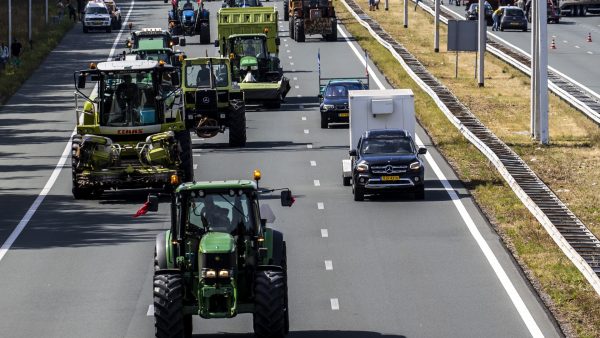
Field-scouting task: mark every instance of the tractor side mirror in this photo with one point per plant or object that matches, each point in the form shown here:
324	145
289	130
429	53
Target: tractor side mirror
152	202
175	40
287	200
353	152
216	43
422	151
277	41
81	81
182	42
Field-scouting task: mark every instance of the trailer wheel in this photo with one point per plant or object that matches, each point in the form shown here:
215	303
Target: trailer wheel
299	30
269	304
186	157
77	191
169	321
237	125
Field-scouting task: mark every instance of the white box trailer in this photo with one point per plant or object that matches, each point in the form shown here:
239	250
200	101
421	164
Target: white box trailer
378	109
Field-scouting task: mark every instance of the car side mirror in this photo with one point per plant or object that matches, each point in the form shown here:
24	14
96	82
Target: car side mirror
152	202
277	41
81	81
422	151
287	200
216	43
353	152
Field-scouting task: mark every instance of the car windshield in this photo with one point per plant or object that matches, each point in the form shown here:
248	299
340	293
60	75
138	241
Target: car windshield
387	146
341	90
221	212
249	46
96	10
128	100
197	76
513	12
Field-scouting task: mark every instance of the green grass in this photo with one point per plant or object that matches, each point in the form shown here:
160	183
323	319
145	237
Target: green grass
44	37
499	105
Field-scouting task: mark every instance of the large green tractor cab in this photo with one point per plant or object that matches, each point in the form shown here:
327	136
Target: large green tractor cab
212	103
130	129
220	259
152	44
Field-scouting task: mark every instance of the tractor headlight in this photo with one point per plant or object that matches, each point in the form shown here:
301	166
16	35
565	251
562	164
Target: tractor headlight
224	274
209	273
328	107
362	167
415	165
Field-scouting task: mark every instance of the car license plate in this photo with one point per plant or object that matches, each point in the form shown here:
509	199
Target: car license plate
343	114
514	23
390	178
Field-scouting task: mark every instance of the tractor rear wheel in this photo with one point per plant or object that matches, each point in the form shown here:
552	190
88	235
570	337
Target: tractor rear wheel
169	321
270	308
286	11
299	30
237	125
185	155
204	33
292	26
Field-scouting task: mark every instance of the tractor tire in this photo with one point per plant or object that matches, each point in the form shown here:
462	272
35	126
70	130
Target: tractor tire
291	28
186	157
205	34
169	321
334	34
286	11
78	192
359	193
269	304
299	30
237	125
324	121
286	316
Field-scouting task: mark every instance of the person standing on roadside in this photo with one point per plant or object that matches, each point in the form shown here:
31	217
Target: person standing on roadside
72	11
80	8
496	19
416	4
15	49
60	8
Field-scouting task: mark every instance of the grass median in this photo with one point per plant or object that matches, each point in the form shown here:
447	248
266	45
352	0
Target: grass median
45	37
566	166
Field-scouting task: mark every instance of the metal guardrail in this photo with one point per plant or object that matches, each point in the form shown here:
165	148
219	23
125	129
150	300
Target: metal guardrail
566	88
567	231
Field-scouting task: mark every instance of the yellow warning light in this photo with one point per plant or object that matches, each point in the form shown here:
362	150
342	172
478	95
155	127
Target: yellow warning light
181	57
92	65
231	56
256	175
161	63
174	180
266	30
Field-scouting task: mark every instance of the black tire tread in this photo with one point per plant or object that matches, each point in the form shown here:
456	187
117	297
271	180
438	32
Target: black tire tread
269	313
168	306
237	125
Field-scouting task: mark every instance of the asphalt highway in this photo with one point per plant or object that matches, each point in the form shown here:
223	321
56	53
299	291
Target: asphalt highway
381	268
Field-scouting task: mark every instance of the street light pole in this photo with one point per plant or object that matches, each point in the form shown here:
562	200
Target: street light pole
534	69
436	34
482	35
386	5
543	70
10	26
29	33
405	13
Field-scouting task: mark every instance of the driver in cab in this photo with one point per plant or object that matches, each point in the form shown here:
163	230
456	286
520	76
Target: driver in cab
127	93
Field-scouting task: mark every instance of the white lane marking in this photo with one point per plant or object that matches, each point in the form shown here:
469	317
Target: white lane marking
306	131
324	233
577	46
295	78
328	265
297	87
313	163
293	70
54	176
197	155
309	146
291	64
150	311
286	44
288	50
317	183
361	58
335	304
290	57
565	41
483	245
195	166
590	52
285	40
320	206
303	118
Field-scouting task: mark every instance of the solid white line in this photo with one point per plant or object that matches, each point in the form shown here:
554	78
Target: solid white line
320	206
483	245
313	163
150	311
309	146
53	177
306	131
324	233
328	265
295	78
317	183
303	118
335	304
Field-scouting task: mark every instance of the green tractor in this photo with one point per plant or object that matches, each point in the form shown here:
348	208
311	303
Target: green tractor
219	259
130	129
248	37
152	44
212	103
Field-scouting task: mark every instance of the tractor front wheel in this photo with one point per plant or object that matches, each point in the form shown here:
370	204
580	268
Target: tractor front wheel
185	155
78	192
237	125
169	321
270	308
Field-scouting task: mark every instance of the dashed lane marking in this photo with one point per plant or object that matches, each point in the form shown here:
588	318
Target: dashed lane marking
150	311
295	78
288	50
335	304
293	70
291	64
320	206
577	46
306	131
309	146
303	118
317	183
328	265
290	57
296	86
313	163
324	233
565	41
590	52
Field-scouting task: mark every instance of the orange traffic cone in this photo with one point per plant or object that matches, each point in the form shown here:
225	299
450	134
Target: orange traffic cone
589	39
553	44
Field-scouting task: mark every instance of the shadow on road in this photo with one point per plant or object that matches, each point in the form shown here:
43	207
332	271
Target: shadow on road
310	334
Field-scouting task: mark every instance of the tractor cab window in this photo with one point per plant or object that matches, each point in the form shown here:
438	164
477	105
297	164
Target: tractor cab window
198	76
127	100
253	46
247	3
155	56
222	212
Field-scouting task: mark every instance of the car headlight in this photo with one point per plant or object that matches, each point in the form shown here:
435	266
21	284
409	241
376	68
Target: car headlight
328	107
415	165
362	167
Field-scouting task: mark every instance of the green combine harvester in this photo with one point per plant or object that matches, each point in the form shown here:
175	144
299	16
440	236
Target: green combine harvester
130	129
248	37
220	259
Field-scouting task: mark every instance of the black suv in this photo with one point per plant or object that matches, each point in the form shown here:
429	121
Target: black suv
387	160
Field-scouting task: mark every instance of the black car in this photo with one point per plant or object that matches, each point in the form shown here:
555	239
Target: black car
387	160
334	101
513	18
473	12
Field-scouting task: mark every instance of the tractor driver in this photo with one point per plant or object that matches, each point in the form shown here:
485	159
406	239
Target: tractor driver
203	77
127	93
214	216
188	5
